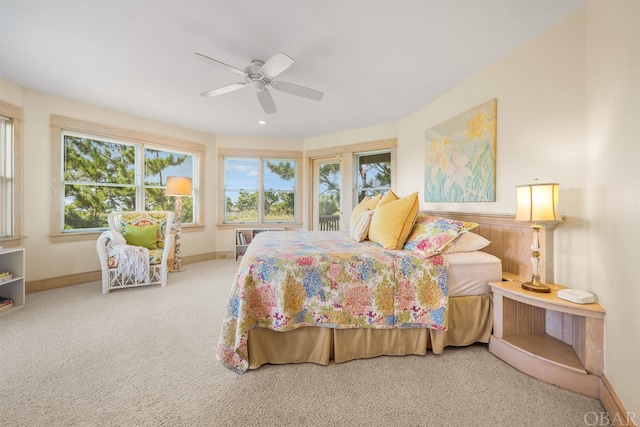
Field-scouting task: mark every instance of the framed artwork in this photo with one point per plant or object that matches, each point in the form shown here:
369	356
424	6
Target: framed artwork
461	157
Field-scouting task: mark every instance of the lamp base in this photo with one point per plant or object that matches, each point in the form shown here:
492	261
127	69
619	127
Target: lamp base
176	270
536	287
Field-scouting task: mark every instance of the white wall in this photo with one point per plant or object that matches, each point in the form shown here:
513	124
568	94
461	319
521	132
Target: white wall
612	202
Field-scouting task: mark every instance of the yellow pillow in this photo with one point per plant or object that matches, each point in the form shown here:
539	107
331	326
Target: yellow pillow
367	204
141	236
392	221
389	196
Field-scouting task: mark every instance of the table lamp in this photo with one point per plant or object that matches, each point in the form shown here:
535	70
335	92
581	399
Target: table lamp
178	187
537	203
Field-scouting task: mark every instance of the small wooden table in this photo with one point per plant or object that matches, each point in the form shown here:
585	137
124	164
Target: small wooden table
554	340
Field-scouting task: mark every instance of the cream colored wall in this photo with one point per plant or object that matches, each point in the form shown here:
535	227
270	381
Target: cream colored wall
48	260
612	199
258	143
373	133
10	93
540	91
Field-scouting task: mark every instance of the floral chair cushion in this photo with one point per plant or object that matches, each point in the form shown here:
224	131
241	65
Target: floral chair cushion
155	257
146	219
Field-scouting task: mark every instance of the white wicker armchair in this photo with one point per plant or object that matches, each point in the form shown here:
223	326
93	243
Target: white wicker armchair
158	269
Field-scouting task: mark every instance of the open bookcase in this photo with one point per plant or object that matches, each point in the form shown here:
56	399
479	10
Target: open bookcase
12	283
244	236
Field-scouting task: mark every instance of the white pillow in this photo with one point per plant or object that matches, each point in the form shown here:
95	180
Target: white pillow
360	229
467	242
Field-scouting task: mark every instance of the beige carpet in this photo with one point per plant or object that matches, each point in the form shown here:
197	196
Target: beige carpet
146	357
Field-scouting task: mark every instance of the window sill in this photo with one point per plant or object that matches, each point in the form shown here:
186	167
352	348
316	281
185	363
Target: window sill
11	242
80	236
74	237
285	225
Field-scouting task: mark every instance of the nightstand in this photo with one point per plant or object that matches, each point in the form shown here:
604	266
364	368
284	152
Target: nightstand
551	339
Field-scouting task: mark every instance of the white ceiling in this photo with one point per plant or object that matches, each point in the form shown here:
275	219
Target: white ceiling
375	61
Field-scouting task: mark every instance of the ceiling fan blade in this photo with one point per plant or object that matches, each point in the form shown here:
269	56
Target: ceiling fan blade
302	91
224	89
277	64
220	64
266	100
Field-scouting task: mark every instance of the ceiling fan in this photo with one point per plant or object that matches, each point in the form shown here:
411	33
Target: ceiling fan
258	75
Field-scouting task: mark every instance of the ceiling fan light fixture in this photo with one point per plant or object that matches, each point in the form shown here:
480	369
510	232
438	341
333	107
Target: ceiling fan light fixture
257	85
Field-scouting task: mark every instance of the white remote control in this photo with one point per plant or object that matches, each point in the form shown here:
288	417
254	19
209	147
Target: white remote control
576	295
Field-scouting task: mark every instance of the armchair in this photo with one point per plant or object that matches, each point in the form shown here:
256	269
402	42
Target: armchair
109	243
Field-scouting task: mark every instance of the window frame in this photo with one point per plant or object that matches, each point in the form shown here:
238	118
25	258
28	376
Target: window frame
141	140
260	156
14	114
356	157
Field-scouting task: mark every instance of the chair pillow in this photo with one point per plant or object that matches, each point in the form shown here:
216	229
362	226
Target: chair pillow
392	221
467	242
431	235
368	203
141	236
360	230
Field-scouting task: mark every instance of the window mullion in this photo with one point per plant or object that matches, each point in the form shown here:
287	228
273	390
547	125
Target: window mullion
260	191
139	181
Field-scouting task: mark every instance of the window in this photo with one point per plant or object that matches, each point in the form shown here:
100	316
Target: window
6	177
104	168
373	174
367	168
101	176
260	190
10	175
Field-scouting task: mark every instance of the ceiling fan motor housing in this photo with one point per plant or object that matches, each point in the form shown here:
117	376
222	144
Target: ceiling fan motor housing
254	77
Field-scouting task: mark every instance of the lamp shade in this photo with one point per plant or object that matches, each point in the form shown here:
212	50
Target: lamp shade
178	186
538	202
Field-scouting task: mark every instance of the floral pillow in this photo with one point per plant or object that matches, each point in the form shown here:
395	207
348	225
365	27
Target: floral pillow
431	235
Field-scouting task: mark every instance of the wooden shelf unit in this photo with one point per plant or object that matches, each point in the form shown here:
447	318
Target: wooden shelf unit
247	235
12	260
557	341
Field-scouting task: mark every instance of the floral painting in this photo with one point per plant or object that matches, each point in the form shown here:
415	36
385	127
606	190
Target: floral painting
461	157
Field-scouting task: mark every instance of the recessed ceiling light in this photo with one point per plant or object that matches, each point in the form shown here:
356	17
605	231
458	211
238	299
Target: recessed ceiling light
262	122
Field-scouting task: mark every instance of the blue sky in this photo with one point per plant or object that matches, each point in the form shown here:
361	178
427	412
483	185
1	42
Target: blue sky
243	174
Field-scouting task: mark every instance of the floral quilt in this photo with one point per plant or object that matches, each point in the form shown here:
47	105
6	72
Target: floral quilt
291	279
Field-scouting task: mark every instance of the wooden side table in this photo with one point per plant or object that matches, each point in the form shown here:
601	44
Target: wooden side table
551	339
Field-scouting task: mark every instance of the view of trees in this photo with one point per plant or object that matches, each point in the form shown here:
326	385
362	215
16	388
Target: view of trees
374	174
278	196
373	177
329	189
99	177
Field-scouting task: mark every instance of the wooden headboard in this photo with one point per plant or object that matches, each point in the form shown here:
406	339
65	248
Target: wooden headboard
510	241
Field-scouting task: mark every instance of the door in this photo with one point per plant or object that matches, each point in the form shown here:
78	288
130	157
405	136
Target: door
327	187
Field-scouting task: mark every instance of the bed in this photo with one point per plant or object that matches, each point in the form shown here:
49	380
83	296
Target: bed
301	320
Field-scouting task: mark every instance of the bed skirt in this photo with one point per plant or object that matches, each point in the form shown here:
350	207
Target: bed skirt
470	321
